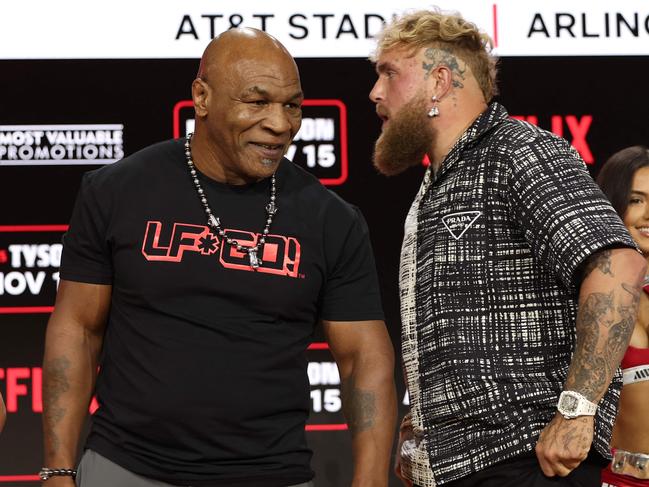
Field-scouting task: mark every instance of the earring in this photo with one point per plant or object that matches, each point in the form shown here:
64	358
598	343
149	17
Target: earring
434	111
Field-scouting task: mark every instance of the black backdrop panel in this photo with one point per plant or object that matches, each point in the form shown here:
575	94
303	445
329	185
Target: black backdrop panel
598	103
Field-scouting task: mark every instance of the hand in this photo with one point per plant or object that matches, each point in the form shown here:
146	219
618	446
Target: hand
405	433
564	444
58	482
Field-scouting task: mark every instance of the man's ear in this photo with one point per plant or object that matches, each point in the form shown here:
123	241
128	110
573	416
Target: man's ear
442	81
200	95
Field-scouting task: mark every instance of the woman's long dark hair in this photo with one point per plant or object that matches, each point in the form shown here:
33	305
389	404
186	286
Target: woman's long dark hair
616	176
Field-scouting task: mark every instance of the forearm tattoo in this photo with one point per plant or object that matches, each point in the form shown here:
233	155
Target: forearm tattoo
359	406
620	331
604	326
54	385
447	58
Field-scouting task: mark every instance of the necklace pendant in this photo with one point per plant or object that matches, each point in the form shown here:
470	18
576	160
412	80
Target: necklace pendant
271	208
254	260
214	222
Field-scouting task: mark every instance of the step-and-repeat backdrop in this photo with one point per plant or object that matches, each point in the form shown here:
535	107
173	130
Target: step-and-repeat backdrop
84	83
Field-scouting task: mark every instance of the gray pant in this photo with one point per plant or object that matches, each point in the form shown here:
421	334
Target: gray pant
97	471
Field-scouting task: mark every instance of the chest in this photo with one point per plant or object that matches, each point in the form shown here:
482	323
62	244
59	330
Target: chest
464	215
164	251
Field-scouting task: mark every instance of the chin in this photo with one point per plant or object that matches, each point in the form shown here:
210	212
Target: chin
270	163
265	168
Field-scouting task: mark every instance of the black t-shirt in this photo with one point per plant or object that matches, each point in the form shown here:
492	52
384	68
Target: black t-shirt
203	371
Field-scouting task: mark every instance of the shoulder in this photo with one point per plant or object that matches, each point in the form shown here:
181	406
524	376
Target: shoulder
316	198
524	146
516	134
145	163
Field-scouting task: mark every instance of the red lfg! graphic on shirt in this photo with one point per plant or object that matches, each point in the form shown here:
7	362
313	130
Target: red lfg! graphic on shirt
281	255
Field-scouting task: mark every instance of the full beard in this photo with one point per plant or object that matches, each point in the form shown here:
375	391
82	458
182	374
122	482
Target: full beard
405	140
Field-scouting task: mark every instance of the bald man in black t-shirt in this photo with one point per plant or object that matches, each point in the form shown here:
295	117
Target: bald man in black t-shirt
193	275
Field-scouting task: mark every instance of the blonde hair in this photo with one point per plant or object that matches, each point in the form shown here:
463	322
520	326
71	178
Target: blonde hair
431	28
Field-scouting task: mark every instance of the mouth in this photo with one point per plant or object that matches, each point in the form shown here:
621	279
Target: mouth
382	115
644	231
269	151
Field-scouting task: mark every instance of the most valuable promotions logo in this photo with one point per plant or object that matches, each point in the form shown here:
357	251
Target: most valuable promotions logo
320	146
26	145
30	256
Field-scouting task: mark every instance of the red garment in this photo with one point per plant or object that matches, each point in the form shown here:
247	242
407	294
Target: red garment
645	284
635	357
610	479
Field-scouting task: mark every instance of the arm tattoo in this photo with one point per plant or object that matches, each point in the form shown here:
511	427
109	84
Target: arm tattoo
448	59
586	377
55	384
604	326
358	406
600	260
620	332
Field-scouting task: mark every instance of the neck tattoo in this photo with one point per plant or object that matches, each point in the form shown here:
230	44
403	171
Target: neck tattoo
214	222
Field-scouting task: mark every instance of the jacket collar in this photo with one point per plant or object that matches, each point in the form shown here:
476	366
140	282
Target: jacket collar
493	116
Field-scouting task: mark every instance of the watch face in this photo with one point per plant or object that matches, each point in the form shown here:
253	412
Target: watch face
569	403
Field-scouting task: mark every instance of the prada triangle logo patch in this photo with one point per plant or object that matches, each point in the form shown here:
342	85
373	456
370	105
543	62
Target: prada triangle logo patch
458	223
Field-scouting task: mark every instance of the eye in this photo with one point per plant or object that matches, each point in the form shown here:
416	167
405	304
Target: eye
634	200
259	103
293	110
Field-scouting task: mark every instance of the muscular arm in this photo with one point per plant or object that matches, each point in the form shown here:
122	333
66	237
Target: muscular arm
365	358
608	305
608	301
72	346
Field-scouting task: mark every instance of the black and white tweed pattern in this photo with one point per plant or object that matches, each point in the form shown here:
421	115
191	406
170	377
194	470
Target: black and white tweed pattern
501	232
414	456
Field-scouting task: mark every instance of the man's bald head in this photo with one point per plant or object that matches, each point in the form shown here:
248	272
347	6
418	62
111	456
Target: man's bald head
238	44
247	101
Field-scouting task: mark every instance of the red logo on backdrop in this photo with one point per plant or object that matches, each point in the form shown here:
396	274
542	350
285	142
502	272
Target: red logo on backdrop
281	255
29	262
16	386
578	128
320	146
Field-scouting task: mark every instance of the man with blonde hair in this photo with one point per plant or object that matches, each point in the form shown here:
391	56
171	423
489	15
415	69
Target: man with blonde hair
519	283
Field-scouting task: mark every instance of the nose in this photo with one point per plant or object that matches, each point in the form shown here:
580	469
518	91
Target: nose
376	94
277	119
